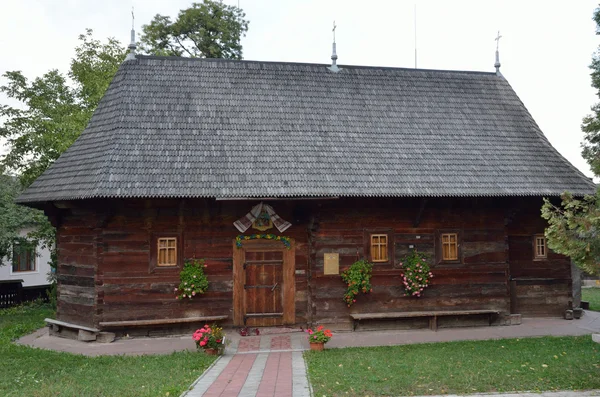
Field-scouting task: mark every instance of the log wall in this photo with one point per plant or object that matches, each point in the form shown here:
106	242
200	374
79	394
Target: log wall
77	248
540	287
105	272
479	281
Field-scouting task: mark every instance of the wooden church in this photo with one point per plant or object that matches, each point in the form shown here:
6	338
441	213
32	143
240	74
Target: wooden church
280	175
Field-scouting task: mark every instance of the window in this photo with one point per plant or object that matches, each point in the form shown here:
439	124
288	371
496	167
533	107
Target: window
167	251
23	258
449	246
539	247
379	247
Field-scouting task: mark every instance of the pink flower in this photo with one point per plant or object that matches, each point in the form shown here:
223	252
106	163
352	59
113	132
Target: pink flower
176	289
193	293
184	295
203	343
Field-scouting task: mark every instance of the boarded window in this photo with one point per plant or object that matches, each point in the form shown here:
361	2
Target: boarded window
167	251
540	250
449	246
23	259
379	247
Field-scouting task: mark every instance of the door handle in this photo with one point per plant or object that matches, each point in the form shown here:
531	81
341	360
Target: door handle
275	286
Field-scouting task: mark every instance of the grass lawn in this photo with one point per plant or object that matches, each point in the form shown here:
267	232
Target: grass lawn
591	295
532	364
34	372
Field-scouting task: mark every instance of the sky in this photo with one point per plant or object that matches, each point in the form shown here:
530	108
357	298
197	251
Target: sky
545	48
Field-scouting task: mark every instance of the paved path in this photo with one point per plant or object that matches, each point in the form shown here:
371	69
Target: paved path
261	366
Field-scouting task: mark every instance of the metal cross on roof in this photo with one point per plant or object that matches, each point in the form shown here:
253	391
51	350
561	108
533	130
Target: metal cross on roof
498	40
333	30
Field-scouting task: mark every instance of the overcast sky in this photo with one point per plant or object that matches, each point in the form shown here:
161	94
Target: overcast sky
545	49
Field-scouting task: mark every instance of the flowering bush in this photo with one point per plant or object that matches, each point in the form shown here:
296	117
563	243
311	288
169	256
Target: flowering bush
416	273
193	281
358	278
209	337
319	336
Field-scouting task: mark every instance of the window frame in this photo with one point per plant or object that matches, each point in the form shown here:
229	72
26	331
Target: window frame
154	250
535	247
379	247
368	233
32	258
440	247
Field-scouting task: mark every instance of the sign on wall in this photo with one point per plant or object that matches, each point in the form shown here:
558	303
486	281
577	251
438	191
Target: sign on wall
331	263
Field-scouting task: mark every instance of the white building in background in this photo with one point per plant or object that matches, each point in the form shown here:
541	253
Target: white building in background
30	265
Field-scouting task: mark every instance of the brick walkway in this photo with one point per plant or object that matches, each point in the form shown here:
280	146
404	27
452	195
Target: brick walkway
258	366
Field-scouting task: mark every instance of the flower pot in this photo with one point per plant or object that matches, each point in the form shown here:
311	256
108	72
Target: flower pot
317	346
211	352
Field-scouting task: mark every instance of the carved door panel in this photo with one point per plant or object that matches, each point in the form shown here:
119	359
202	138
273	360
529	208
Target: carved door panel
263	288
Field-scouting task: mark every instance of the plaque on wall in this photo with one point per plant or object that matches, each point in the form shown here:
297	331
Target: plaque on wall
331	263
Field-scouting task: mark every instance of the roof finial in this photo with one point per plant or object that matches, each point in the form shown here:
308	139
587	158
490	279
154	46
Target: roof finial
334	57
132	46
497	64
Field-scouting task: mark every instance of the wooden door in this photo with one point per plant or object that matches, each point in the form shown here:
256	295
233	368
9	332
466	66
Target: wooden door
263	293
263	283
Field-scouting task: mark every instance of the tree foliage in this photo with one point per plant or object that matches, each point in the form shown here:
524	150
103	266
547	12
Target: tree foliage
209	29
574	225
52	112
573	230
14	217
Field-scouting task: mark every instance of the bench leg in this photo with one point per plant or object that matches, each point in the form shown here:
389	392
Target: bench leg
433	323
354	325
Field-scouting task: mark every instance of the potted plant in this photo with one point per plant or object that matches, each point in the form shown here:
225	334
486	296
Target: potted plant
210	339
318	338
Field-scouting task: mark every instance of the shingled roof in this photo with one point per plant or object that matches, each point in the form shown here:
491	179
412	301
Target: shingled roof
178	127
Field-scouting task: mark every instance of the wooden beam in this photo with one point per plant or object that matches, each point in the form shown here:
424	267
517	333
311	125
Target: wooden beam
420	212
289	292
238	285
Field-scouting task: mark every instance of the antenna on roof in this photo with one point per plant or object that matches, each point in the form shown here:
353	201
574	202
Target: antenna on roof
497	64
132	46
415	35
334	68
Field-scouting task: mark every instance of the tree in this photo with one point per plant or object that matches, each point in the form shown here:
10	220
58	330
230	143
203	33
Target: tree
574	225
209	29
53	114
14	217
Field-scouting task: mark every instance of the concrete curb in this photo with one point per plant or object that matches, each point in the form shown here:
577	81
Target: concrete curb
203	375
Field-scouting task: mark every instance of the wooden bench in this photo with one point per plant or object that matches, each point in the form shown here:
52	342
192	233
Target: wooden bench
78	332
433	315
165	321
